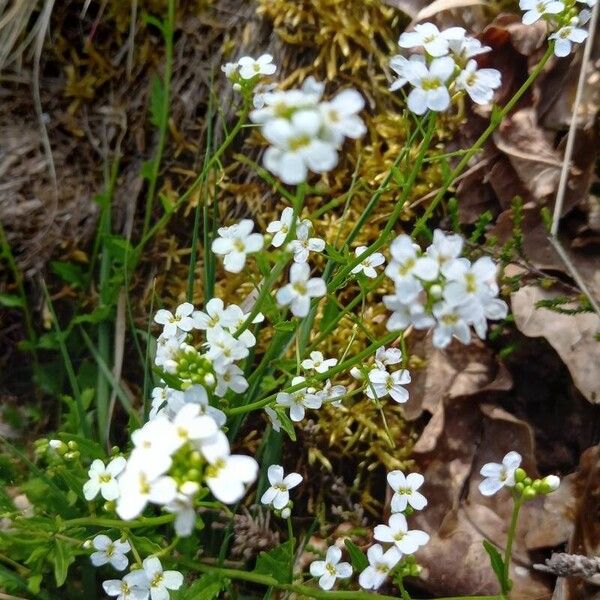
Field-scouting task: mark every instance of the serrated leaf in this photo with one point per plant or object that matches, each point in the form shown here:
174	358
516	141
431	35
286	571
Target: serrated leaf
497	565
358	558
276	562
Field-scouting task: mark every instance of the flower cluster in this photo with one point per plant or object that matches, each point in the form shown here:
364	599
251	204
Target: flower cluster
509	474
447	65
439	289
183	447
304	131
247	71
402	540
379	382
564	19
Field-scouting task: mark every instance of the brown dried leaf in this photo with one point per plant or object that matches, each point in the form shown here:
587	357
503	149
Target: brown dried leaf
572	336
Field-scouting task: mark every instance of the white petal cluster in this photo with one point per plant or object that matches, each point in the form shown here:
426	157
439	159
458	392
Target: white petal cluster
151	582
445	67
565	24
402	540
439	289
277	494
331	568
380	382
305	132
246	73
297	234
499	475
301	289
235	243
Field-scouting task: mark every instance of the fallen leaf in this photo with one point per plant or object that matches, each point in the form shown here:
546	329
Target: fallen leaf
572	336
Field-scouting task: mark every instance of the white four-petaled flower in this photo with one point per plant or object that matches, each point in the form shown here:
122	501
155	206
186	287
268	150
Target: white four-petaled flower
397	533
301	288
406	491
160	581
249	67
278	494
180	321
104	479
331	568
368	264
235	243
109	552
498	475
380	565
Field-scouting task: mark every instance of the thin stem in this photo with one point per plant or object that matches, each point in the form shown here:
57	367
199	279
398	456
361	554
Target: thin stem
511	536
118	524
496	119
292	540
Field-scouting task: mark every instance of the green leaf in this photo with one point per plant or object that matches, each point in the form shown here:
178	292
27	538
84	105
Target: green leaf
358	558
497	565
208	587
11	301
276	562
63	557
330	312
69	272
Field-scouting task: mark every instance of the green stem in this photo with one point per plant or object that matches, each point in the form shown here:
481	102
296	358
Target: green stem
292	540
117	523
304	590
495	121
511	536
167	31
319	376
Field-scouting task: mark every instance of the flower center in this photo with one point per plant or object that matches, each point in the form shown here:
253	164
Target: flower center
300	288
105	477
213	470
334	117
239	245
299	142
330	568
431	83
256	67
450	319
407	266
428	39
405	491
156	580
144	485
280	487
471	283
182	433
382	568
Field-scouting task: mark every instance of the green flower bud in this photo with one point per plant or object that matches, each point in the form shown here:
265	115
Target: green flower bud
529	493
520	474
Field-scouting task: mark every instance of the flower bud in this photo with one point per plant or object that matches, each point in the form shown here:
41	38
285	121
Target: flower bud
529	493
436	291
549	484
520	474
286	512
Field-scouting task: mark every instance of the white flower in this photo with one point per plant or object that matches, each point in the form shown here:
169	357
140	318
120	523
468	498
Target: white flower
565	38
143	482
552	482
406	313
296	147
479	83
155	437
300	290
498	476
332	394
389	356
196	394
430	91
227	474
191	424
427	35
318	363
111	552
468	281
467	47
380	564
273	418
406	491
249	67
340	118
260	91
397	533
103	479
367	265
399	64
444	249
536	9
235	243
298	401
238	318
282	227
216	315
330	569
302	246
183	507
406	264
381	383
181	320
282	104
230	69
452	321
223	348
230	377
278	494
160	581
133	586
